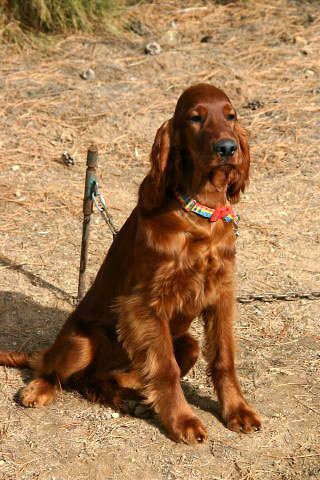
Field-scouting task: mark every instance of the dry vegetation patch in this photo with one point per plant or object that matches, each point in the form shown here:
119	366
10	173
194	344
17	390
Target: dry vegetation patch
266	57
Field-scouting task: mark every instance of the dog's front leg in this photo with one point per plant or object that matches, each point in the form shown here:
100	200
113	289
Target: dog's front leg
220	352
148	341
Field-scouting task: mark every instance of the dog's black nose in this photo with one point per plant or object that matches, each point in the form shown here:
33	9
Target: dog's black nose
225	148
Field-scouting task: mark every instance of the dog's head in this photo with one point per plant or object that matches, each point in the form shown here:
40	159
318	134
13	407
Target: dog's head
203	136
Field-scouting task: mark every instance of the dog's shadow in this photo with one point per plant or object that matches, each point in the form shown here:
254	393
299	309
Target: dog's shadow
26	325
205	403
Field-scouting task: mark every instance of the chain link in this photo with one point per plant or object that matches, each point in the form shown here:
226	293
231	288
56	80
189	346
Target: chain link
100	203
280	297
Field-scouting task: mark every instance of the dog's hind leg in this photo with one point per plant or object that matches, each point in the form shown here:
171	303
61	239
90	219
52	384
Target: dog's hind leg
68	355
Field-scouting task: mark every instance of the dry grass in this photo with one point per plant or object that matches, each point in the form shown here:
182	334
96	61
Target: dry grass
57	16
266	57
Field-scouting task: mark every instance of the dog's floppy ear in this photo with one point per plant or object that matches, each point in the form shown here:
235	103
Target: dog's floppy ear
153	187
239	177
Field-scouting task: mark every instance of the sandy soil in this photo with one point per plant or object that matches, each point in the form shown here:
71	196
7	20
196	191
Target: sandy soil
266	57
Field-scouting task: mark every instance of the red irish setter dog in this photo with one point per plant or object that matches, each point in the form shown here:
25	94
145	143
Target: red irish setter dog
172	261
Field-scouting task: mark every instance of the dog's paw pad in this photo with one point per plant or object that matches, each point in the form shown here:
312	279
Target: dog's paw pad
189	430
243	419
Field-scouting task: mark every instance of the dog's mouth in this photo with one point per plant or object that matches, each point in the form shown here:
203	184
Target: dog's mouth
216	160
225	164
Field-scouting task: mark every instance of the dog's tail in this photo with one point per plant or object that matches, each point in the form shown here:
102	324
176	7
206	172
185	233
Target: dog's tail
18	359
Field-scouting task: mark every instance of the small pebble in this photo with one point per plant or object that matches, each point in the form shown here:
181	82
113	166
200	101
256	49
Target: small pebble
115	415
152	48
15	168
310	73
254	105
87	74
67	159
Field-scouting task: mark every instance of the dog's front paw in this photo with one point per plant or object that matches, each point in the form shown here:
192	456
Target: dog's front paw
188	429
243	419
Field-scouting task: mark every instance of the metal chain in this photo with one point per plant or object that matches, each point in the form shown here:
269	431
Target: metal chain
100	203
273	297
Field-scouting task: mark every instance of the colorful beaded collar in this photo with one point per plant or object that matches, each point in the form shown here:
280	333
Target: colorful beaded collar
213	214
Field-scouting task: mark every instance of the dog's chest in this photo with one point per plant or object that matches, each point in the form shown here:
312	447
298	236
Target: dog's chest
189	282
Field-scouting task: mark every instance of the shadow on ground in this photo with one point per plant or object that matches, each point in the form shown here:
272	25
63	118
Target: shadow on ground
205	403
25	324
35	279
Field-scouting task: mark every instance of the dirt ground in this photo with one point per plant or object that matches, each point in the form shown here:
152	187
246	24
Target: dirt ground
265	55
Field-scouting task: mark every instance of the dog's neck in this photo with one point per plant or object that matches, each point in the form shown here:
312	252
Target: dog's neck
208	190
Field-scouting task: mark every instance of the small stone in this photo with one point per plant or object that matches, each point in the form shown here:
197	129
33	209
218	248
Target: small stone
310	73
115	415
254	104
67	159
87	74
18	194
15	168
152	48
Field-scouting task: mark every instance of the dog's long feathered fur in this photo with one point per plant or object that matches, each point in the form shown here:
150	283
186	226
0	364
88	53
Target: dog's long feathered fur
165	267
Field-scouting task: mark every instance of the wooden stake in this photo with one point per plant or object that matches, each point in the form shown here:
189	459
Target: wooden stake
92	163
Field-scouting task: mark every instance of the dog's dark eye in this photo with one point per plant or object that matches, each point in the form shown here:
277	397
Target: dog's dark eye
196	118
231	116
